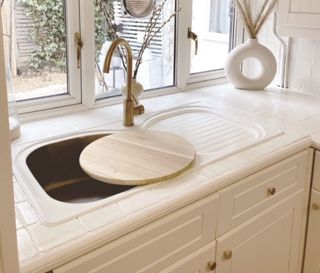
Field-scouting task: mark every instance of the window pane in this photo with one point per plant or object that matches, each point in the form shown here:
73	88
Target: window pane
35	47
157	67
211	22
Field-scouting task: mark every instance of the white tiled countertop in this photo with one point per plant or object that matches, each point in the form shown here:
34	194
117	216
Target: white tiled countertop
43	247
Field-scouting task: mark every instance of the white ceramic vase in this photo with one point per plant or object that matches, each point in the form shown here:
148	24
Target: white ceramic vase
137	89
251	49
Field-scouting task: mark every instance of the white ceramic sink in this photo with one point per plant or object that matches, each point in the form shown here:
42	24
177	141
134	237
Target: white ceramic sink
58	196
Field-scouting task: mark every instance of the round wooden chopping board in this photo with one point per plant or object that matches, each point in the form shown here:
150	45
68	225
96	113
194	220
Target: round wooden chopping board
137	157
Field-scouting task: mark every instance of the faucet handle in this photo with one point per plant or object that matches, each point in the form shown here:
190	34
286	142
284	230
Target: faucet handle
138	110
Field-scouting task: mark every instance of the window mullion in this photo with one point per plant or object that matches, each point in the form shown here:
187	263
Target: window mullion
73	26
88	52
183	48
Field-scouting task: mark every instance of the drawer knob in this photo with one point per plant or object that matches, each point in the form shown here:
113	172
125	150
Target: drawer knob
212	266
272	191
315	206
227	255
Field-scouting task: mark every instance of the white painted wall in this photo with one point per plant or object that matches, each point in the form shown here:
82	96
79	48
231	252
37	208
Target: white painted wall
8	241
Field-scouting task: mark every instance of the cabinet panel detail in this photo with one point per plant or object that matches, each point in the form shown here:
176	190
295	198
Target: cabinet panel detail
312	255
272	242
252	195
197	262
155	246
316	171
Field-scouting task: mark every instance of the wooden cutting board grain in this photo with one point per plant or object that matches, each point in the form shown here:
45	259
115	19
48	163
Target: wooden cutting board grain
137	157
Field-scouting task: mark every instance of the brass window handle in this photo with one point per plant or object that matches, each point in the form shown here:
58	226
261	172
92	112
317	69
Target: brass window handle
194	37
79	45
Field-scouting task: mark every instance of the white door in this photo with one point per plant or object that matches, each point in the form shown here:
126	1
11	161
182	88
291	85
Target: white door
268	243
312	255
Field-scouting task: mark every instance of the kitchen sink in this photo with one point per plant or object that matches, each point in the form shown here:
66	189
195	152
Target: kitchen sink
50	173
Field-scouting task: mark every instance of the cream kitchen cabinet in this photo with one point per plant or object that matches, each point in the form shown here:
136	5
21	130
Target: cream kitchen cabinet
254	225
299	18
270	242
262	219
161	246
312	253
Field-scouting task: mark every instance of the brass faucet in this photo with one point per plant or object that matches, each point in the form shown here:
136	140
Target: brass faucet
130	107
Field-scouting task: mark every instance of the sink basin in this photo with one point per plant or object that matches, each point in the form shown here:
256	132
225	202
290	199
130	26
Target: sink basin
51	175
56	168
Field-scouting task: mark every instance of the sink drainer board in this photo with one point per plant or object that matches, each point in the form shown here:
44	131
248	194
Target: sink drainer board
214	132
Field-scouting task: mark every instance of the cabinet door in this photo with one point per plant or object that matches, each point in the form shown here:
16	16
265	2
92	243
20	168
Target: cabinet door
270	242
198	262
312	256
300	18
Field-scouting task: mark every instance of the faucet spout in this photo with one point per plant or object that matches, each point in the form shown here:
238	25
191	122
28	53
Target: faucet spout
130	110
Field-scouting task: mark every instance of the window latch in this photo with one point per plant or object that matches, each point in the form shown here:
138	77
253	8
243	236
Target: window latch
194	37
79	45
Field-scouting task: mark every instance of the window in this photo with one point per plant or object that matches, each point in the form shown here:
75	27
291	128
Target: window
157	67
36	47
51	71
210	21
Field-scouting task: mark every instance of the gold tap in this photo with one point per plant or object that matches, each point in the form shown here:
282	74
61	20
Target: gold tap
129	108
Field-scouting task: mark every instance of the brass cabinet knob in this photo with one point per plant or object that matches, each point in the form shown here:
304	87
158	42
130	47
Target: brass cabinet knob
212	266
227	254
315	206
271	191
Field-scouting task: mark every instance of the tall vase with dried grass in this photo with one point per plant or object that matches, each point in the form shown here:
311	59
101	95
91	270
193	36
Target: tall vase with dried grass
253	22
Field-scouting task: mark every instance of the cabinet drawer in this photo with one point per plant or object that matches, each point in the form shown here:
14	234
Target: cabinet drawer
156	246
316	172
248	197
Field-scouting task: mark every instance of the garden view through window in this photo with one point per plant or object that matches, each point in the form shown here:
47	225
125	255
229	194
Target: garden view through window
35	47
157	67
37	33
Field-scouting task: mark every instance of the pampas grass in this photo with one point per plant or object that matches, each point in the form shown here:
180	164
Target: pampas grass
254	23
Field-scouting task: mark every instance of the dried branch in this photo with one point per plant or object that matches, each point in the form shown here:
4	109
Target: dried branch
151	31
264	15
254	25
111	31
243	9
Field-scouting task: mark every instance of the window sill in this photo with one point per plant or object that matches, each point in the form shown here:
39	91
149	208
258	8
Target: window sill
60	110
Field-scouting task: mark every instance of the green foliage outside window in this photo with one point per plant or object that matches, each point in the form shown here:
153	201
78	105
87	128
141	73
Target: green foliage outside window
49	33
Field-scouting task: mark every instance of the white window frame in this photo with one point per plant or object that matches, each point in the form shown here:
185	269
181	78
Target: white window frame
81	82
